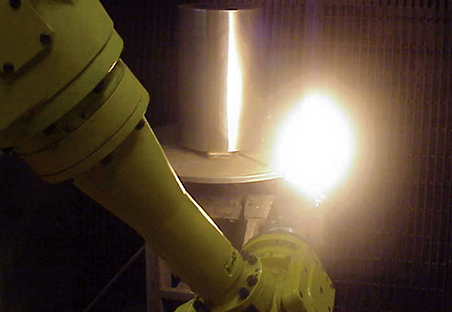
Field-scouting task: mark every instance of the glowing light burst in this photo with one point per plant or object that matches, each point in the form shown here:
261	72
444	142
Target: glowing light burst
234	85
316	146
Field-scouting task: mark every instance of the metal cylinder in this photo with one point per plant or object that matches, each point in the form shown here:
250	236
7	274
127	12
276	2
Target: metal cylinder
221	108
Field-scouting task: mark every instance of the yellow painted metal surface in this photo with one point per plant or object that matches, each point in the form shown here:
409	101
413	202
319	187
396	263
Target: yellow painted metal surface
302	284
74	46
289	278
104	123
28	137
140	187
21	30
64	102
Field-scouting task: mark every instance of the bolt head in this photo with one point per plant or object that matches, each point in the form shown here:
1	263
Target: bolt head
252	280
15	4
244	254
140	124
252	259
45	38
244	292
8	68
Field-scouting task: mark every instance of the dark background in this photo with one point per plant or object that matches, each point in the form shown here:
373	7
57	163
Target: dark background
388	242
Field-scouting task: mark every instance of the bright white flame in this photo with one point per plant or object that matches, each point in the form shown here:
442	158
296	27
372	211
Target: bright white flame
316	146
234	85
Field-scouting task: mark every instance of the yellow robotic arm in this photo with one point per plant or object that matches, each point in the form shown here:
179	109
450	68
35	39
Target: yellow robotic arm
73	110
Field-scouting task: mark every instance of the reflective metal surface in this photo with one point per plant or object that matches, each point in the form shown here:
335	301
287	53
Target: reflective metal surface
195	167
221	107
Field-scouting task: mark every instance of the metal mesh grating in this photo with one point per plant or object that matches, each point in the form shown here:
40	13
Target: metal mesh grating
389	250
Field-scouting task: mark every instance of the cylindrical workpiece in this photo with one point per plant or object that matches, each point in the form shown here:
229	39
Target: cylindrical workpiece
221	108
